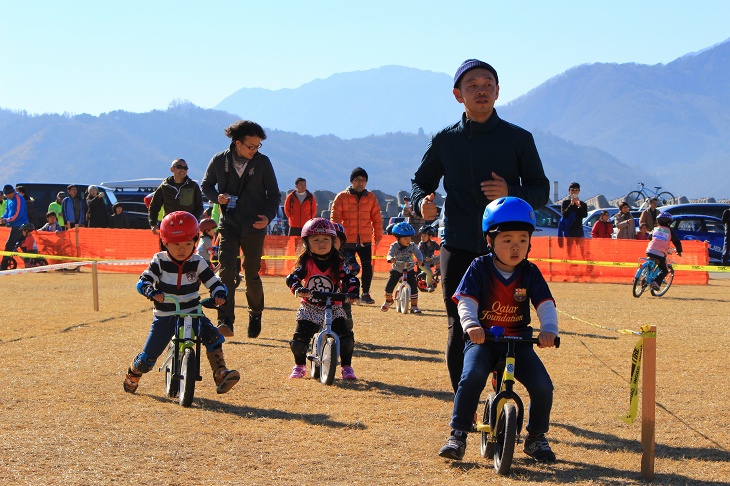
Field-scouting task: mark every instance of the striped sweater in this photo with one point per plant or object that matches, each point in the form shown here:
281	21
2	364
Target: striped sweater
180	279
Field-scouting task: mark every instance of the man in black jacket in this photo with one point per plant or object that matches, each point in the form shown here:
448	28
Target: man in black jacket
243	182
481	158
176	193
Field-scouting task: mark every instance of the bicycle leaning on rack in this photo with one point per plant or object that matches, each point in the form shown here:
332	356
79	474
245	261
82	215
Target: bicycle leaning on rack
648	272
641	196
504	411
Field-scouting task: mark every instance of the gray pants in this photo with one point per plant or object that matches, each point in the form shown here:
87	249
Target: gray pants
231	245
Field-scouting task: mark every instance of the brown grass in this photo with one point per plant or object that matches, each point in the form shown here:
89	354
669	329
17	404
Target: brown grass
66	420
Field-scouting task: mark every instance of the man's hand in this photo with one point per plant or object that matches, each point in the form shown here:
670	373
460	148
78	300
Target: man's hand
495	188
476	334
223	198
428	207
262	222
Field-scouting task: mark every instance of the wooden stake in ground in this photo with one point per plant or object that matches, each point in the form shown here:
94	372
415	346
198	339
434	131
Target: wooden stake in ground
648	400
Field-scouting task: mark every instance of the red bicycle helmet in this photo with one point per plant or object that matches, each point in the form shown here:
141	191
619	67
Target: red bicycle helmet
319	226
207	224
178	227
148	200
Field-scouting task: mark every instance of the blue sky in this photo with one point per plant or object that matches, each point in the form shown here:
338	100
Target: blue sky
98	56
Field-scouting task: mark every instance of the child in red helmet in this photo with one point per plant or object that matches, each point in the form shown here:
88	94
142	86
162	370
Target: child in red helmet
179	271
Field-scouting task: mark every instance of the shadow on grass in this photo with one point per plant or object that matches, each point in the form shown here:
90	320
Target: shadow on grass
377	351
691	299
399	390
254	413
588	335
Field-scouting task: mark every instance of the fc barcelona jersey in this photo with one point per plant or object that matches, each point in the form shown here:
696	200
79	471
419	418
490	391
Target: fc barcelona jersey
504	302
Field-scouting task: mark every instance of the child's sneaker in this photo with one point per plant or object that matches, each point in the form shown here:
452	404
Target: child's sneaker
348	373
131	381
654	286
415	309
430	288
386	305
455	446
299	371
225	379
539	449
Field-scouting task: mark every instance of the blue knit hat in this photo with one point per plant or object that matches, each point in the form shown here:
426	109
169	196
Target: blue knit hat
470	64
8	189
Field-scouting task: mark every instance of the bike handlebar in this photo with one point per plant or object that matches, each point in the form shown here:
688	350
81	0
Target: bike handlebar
335	296
488	336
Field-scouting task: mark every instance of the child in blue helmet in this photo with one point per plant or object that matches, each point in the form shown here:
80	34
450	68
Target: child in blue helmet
497	290
400	256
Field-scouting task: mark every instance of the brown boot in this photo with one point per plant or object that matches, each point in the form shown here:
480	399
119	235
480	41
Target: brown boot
131	381
224	378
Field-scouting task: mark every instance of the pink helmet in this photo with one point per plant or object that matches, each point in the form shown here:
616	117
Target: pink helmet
319	226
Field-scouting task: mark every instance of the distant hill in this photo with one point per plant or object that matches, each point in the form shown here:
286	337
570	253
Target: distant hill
121	145
355	104
671	120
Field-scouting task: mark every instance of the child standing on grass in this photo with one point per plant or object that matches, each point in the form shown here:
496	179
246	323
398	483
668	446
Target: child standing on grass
428	249
497	290
661	239
350	263
207	239
179	271
321	267
400	255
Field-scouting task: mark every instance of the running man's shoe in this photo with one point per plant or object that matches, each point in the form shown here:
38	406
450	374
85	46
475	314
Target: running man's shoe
366	299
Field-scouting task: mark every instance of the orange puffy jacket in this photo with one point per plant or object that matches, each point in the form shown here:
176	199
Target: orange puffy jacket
360	216
297	212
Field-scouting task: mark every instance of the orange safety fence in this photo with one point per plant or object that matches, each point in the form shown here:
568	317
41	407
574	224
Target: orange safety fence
560	259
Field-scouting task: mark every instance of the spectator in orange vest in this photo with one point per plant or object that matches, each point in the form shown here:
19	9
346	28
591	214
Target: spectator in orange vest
299	207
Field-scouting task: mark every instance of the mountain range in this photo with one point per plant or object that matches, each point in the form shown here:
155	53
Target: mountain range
604	125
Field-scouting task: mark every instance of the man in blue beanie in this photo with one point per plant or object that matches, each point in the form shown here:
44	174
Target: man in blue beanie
15	216
481	158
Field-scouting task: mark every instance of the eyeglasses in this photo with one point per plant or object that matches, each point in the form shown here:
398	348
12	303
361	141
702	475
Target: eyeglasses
181	167
252	147
359	180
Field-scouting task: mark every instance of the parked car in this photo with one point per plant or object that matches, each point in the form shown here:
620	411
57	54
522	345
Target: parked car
44	193
703	228
707	209
279	225
546	221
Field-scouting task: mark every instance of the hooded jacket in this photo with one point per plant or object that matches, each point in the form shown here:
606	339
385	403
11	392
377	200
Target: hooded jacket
257	191
170	196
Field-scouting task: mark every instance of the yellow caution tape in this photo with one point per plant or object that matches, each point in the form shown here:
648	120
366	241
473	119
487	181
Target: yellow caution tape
691	268
635	371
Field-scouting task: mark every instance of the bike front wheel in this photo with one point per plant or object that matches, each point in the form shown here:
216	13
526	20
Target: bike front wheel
665	284
504	448
329	362
404	298
487	447
665	198
188	377
637	198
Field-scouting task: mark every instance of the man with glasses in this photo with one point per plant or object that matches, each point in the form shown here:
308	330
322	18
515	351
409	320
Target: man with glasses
359	212
243	182
176	193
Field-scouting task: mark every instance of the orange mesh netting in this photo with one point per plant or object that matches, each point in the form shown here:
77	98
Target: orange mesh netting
560	259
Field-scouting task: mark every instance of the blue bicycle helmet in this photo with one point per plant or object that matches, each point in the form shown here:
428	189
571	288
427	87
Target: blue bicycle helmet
403	229
508	214
340	230
664	218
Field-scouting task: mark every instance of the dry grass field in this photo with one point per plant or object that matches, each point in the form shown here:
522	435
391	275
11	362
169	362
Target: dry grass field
64	418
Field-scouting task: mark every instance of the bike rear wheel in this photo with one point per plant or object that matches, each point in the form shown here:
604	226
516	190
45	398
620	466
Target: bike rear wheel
640	282
171	385
665	198
504	449
329	362
188	377
664	285
487	447
638	198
